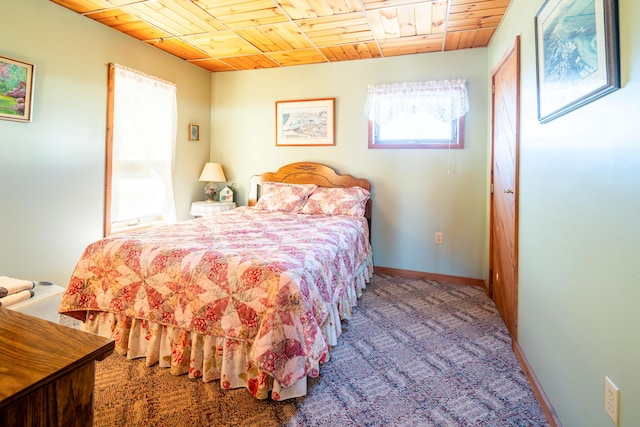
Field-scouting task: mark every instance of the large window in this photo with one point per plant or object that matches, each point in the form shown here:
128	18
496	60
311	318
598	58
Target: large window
141	135
417	114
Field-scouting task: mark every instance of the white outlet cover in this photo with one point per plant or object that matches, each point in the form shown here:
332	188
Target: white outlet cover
611	399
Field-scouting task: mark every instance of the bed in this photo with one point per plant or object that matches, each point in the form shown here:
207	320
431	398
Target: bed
252	297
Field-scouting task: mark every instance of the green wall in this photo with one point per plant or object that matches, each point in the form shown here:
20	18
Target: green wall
52	169
579	179
580	234
415	192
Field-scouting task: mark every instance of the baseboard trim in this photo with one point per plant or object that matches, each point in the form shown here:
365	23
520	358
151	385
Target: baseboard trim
410	274
541	397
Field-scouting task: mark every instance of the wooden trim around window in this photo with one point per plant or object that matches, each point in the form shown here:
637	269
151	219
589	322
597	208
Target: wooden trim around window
108	150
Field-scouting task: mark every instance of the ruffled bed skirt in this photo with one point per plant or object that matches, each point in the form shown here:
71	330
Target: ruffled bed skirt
217	358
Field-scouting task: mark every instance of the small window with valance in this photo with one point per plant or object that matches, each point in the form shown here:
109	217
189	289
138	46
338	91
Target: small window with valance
428	114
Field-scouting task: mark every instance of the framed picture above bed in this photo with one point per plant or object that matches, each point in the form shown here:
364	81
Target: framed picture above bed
305	122
577	54
16	89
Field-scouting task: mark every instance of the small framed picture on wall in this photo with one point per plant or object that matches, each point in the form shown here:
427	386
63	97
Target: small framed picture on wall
194	132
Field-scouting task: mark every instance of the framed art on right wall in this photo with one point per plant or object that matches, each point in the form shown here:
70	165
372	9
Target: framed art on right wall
577	54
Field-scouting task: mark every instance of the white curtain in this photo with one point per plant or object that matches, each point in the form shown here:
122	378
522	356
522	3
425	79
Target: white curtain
445	100
144	139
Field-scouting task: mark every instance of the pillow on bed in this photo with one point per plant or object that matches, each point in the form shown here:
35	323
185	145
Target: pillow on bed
337	201
278	196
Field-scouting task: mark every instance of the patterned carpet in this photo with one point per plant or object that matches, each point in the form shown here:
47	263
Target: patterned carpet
415	353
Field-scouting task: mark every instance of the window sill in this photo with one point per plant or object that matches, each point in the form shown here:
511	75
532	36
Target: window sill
137	227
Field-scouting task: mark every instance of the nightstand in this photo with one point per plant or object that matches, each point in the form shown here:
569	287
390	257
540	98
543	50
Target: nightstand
210	208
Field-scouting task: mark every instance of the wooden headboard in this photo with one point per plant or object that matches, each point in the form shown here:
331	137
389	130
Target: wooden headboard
308	173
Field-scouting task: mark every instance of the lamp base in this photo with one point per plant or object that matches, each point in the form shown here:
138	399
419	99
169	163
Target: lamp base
209	192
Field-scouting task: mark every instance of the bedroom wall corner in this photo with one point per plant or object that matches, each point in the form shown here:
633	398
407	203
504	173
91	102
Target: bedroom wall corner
52	169
415	192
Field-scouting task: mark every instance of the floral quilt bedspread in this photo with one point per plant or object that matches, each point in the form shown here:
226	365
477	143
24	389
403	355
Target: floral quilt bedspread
265	278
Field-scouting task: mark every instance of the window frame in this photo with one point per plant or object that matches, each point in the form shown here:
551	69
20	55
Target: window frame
106	229
455	143
151	220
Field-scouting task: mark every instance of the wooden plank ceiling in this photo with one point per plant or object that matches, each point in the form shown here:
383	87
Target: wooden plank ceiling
228	35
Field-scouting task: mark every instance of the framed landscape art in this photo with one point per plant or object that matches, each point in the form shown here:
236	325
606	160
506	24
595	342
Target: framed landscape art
16	89
305	122
577	54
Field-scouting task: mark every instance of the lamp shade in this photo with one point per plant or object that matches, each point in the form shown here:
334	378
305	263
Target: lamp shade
212	172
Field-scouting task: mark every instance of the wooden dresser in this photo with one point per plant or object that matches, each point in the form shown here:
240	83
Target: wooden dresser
47	372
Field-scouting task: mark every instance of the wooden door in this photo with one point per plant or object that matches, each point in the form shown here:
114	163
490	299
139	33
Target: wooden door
503	282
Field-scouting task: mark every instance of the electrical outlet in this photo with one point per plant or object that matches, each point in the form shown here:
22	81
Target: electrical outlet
611	399
439	238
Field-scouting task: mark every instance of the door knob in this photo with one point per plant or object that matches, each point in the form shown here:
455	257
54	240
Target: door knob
508	190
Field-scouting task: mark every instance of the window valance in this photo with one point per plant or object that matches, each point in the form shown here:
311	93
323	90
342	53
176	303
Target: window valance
444	99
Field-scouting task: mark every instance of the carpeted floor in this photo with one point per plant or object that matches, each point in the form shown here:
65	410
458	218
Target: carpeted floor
415	353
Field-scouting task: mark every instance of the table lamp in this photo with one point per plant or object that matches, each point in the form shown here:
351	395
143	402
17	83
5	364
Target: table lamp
212	173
